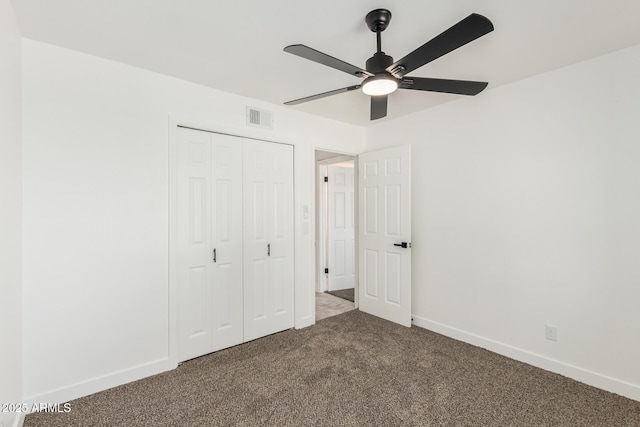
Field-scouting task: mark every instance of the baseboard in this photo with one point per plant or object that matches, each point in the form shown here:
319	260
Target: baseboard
341	289
594	379
94	385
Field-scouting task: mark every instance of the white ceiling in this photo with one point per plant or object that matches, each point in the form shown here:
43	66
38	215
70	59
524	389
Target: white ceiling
236	46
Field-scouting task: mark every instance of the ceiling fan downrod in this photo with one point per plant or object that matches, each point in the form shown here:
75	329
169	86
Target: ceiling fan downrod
378	21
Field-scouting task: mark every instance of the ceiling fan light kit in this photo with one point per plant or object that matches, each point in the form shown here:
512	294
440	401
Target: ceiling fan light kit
382	76
380	84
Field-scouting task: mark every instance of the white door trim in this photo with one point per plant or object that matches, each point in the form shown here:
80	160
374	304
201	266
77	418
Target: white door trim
338	159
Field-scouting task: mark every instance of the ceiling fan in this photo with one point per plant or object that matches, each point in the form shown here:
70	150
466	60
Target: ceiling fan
383	76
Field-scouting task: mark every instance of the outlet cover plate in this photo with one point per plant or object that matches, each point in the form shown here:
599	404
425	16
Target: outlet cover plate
551	332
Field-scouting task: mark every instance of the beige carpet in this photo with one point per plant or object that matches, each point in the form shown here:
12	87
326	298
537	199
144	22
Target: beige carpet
351	370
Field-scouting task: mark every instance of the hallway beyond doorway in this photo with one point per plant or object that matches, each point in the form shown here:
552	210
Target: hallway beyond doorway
328	305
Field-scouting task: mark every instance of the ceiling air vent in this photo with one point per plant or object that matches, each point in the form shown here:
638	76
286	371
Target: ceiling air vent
259	118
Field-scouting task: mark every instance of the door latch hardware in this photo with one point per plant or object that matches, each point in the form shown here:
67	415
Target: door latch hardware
403	244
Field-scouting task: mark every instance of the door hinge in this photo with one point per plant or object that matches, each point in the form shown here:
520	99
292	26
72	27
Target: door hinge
326	179
326	271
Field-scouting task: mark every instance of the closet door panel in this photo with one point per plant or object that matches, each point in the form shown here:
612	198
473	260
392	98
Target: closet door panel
268	243
194	244
281	236
227	291
209	260
256	244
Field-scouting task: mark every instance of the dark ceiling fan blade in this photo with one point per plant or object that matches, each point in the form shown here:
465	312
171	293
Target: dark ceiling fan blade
322	95
378	107
465	31
461	87
324	59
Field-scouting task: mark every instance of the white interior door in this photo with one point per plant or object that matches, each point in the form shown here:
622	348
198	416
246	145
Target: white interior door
209	252
384	183
268	238
340	241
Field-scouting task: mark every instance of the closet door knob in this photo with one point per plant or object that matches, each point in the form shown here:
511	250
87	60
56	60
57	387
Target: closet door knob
214	255
268	249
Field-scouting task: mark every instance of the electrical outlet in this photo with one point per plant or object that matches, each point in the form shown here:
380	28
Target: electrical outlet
551	332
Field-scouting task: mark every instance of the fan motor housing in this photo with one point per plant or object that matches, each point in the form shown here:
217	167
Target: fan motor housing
378	62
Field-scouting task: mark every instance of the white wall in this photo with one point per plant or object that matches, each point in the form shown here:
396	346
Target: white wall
526	211
10	211
96	213
525	204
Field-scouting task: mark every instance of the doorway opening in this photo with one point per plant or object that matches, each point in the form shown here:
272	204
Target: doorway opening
336	290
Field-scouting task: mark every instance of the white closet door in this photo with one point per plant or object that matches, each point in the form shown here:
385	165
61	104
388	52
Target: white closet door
227	240
341	228
268	238
209	199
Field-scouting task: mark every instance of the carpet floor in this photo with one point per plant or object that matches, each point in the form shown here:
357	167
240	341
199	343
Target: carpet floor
347	294
350	370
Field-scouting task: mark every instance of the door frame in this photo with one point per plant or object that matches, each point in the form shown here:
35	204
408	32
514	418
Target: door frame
298	229
319	208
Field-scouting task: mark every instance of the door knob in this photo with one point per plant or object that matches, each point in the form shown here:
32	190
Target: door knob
403	244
